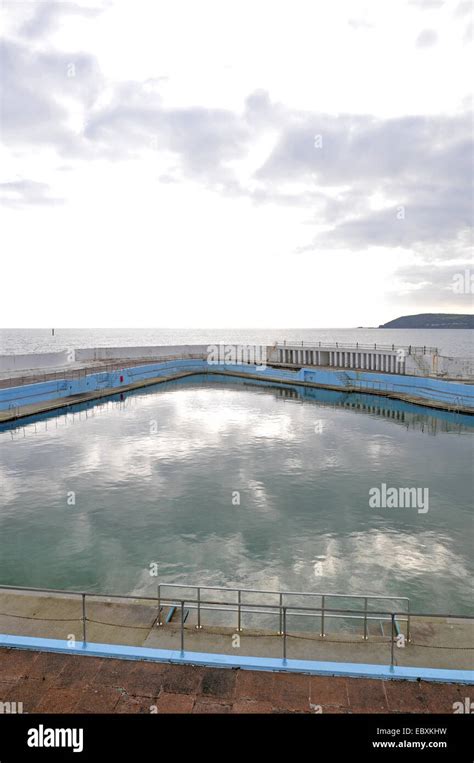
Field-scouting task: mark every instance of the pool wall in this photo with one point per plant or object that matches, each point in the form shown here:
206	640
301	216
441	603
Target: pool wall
416	386
450	394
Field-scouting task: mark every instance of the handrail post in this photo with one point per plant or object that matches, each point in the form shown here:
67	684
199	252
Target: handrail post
239	614
159	606
408	622
281	615
323	598
84	628
392	646
198	626
365	619
182	627
284	634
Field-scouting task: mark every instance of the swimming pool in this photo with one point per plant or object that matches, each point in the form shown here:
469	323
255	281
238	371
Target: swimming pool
233	483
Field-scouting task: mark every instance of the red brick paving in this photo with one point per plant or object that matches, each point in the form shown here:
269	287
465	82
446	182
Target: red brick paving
61	683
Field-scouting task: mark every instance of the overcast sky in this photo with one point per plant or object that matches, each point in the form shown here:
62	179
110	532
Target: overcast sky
247	164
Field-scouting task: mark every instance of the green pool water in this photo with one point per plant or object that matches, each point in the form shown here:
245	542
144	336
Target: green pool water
238	484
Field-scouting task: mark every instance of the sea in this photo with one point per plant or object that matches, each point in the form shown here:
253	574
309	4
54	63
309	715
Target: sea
450	342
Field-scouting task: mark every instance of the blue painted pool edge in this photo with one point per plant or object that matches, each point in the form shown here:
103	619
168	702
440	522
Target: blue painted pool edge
203	659
422	388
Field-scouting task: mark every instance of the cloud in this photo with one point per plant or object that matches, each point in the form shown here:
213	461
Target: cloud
136	122
360	180
464	8
400	226
46	17
394	182
353	172
360	23
332	165
426	39
41	91
21	193
427	5
468	33
436	283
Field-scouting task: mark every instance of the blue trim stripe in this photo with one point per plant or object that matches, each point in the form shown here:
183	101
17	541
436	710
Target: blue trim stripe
349	669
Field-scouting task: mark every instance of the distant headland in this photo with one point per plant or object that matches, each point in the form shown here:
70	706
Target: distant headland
431	321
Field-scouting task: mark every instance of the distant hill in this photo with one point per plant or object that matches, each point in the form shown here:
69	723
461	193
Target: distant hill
431	321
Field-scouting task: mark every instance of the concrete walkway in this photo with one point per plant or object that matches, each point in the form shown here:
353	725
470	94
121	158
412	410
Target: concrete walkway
435	642
75	370
58	683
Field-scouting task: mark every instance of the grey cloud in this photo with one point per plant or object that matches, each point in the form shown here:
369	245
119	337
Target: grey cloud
36	88
468	33
35	110
21	193
359	148
204	139
422	163
355	148
401	226
434	284
426	39
360	23
261	112
464	8
47	15
427	5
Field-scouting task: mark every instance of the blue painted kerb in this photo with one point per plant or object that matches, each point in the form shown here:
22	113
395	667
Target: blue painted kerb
176	657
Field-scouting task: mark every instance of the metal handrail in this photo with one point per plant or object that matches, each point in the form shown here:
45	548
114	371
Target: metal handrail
189	600
361	346
285	593
203	588
241	607
364	614
281	609
106	366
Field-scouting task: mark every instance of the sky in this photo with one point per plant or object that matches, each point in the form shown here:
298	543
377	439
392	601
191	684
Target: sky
235	164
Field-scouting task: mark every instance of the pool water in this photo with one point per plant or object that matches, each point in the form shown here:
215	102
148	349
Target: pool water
239	484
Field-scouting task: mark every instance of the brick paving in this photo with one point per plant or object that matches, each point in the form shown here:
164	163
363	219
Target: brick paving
61	683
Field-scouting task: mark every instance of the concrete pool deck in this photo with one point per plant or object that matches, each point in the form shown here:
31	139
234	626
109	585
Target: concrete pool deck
43	682
34	375
66	402
444	643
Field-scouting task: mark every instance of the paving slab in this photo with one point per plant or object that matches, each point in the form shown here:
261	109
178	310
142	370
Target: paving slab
100	685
